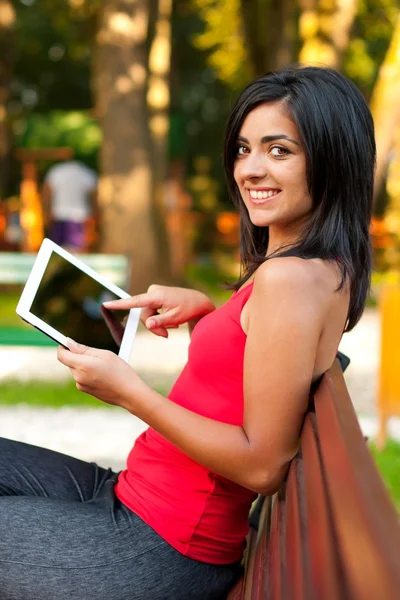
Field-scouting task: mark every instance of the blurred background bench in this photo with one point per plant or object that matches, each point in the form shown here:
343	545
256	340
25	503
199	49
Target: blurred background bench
14	271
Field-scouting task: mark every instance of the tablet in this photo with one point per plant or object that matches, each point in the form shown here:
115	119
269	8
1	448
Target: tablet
63	298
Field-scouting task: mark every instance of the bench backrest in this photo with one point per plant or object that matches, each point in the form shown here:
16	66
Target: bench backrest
15	267
331	532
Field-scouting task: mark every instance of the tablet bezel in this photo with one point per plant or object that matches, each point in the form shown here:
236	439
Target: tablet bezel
34	280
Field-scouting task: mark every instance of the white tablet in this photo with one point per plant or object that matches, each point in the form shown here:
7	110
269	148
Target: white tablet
63	298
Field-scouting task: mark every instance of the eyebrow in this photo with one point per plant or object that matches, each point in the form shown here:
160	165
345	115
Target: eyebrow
271	138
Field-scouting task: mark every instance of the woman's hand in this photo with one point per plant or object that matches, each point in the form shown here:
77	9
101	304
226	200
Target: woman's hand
102	374
165	307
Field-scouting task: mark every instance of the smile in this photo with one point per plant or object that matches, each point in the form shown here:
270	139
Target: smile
260	196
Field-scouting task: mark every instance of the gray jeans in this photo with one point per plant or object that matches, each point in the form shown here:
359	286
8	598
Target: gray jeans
65	536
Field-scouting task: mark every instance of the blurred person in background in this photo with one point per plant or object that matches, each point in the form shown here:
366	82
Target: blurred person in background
69	197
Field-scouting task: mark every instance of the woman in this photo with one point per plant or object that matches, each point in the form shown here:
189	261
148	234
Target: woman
299	158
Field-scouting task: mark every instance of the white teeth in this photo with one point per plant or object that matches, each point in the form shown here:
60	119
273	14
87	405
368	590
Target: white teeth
262	195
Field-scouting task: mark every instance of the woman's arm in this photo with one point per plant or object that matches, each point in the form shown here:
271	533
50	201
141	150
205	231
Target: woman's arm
284	326
164	307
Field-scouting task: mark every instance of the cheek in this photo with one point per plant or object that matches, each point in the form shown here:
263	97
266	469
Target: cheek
297	180
305	203
237	174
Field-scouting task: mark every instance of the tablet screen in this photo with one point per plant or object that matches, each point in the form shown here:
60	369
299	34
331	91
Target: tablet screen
70	301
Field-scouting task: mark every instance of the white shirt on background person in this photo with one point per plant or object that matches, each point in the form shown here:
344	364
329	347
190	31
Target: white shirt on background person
71	184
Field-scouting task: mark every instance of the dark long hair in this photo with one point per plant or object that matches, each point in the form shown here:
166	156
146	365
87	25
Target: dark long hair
337	133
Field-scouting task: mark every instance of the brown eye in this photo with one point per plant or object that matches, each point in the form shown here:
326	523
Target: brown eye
241	150
279	151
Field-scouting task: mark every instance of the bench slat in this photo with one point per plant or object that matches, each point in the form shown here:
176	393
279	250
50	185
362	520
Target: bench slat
326	575
243	588
297	577
272	582
368	538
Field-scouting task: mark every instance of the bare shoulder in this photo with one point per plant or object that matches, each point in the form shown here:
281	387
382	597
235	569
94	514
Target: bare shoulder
297	275
291	289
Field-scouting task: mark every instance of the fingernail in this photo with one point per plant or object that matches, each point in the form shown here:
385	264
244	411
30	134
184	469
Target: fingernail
150	323
71	343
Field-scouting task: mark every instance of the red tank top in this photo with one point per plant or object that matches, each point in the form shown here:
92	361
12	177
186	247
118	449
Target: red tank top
201	514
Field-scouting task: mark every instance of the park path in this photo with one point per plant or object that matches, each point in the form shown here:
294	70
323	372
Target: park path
106	435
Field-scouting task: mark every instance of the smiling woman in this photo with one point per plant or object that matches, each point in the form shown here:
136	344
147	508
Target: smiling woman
331	152
299	159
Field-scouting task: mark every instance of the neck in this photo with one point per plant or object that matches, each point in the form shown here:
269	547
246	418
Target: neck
279	237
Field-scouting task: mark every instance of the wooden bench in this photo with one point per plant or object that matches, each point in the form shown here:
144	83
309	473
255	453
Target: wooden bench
331	532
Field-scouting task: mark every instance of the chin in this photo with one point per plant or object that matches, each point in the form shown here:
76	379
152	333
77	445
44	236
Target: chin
259	220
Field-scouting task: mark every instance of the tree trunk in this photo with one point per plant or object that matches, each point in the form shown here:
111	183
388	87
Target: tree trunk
158	100
7	20
131	222
385	106
325	28
269	28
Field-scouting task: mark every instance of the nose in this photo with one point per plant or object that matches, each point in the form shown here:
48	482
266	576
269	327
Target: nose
254	166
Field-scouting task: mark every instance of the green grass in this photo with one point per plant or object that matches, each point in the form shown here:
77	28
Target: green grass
8	316
388	461
42	394
49	394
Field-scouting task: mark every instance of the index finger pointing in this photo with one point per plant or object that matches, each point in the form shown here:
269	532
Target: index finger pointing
139	301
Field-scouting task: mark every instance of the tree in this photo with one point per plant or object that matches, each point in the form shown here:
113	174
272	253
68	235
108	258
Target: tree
52	45
325	28
131	218
385	106
270	33
245	39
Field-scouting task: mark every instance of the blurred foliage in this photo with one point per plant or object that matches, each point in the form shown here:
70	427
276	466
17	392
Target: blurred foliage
207	277
200	102
52	55
211	274
75	129
52	61
372	31
223	39
51	58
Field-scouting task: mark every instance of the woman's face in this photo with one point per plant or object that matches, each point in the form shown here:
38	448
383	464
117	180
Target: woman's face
270	171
